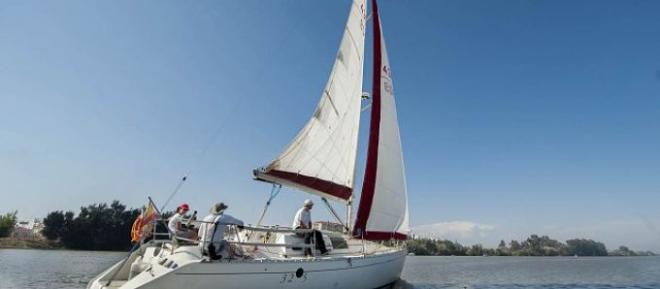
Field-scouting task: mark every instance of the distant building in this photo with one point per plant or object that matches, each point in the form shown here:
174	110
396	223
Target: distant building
28	229
328	226
24	225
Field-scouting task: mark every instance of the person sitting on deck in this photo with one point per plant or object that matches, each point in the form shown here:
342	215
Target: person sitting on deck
176	226
303	220
212	230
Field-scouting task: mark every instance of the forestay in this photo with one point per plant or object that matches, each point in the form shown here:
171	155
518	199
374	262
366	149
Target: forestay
321	158
383	210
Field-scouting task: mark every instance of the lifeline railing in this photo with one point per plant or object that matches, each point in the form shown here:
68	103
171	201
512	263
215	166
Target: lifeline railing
237	241
247	232
233	228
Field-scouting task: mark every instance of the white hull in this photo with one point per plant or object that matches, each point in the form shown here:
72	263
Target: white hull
359	272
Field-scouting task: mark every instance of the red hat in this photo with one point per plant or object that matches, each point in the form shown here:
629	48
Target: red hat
184	206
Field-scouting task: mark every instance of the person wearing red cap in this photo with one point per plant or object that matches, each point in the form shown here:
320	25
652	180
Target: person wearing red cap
175	224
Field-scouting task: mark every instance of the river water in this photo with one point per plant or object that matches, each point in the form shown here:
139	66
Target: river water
73	269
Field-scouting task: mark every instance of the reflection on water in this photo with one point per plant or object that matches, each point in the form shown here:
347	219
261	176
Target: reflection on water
73	269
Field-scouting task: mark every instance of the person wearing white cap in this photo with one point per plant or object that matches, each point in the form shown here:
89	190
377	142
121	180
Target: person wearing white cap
212	230
303	220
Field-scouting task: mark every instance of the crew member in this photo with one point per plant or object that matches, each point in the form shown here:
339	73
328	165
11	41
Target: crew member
176	225
212	230
303	220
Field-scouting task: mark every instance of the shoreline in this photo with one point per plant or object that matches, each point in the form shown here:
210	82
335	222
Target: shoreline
17	244
13	243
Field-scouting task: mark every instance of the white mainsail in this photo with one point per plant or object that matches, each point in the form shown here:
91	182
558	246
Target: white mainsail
383	210
321	158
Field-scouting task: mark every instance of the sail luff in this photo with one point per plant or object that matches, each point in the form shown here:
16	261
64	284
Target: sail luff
369	182
321	158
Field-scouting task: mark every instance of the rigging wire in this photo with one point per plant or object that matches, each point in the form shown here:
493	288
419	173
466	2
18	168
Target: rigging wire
176	190
202	154
273	193
334	213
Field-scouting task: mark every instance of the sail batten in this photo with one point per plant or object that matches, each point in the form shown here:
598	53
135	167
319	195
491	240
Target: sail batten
321	158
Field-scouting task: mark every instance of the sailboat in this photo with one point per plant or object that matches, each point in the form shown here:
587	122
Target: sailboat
321	160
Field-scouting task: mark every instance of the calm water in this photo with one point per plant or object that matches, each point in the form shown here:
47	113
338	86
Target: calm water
72	269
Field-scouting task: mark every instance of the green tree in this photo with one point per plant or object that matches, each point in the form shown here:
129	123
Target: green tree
418	247
623	251
97	227
7	223
516	248
550	247
432	247
475	250
533	246
53	225
586	247
515	245
502	250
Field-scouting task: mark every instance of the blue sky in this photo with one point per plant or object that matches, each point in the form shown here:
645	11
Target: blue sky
517	117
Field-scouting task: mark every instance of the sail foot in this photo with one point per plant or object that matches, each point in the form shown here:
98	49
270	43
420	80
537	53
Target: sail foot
305	183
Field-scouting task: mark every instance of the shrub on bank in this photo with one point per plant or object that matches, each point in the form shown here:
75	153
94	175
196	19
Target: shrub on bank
7	224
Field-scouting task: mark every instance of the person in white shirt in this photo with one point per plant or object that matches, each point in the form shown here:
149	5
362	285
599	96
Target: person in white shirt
303	220
212	230
176	226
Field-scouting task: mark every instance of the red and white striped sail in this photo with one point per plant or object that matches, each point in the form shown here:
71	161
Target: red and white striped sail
383	210
321	158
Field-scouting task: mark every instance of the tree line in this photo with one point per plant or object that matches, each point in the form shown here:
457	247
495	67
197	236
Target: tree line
107	227
96	227
532	246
